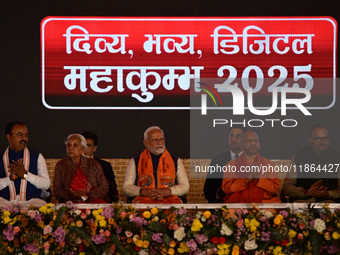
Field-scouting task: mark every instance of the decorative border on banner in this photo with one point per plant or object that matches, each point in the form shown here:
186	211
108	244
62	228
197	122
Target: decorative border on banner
48	19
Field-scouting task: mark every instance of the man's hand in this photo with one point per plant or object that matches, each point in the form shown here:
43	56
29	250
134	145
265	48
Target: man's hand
317	190
156	194
13	177
17	168
247	180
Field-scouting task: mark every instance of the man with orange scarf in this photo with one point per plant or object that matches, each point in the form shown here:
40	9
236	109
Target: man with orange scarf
155	176
246	183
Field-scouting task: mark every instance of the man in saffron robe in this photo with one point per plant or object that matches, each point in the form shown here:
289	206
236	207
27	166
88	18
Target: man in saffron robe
77	178
248	184
23	172
155	176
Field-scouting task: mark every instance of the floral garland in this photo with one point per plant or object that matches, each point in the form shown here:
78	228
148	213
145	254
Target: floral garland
122	229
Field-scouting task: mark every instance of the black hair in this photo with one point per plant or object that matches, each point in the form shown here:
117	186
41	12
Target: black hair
11	124
92	136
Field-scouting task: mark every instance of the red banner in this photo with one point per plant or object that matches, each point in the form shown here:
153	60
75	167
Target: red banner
148	63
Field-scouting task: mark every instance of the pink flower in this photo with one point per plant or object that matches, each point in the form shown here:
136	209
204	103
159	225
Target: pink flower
302	226
32	213
123	214
107	233
46	246
300	236
239	223
83	216
16	229
175	227
47	229
62	243
128	233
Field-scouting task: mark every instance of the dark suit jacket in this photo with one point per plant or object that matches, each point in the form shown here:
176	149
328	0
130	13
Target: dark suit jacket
110	177
214	181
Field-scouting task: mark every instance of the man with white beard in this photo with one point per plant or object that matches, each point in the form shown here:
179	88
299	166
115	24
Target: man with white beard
155	176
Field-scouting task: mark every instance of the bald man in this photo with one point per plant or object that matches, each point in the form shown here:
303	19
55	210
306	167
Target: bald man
245	186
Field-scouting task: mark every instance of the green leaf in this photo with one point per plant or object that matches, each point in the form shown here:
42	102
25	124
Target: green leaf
60	214
157	227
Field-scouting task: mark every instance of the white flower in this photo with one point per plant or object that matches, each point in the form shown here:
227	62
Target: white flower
203	219
250	244
267	214
77	212
199	215
143	252
179	234
226	230
319	225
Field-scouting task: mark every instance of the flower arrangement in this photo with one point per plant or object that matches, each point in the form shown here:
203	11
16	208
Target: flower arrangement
122	229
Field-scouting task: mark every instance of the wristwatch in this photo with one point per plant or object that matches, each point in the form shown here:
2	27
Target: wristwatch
25	175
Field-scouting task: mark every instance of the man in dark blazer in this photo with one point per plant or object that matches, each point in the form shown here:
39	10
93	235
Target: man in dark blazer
92	145
213	183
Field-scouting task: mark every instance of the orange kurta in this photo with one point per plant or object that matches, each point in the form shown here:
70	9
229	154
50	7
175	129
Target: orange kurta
260	190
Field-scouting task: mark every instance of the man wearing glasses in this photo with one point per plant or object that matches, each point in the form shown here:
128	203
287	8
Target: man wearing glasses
23	172
315	169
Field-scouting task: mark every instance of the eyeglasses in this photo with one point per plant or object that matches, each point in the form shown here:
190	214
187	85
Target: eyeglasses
319	138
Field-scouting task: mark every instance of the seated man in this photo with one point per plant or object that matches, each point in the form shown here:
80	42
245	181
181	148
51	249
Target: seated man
155	176
78	178
245	184
92	145
318	186
23	172
212	186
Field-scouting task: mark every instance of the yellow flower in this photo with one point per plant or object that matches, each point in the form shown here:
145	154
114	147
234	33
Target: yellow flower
207	214
291	234
183	248
7	220
277	219
254	224
196	225
154	211
305	233
5	214
236	250
171	251
146	244
223	249
79	223
102	223
139	243
97	213
43	209
146	214
277	250
172	243
111	221
336	235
